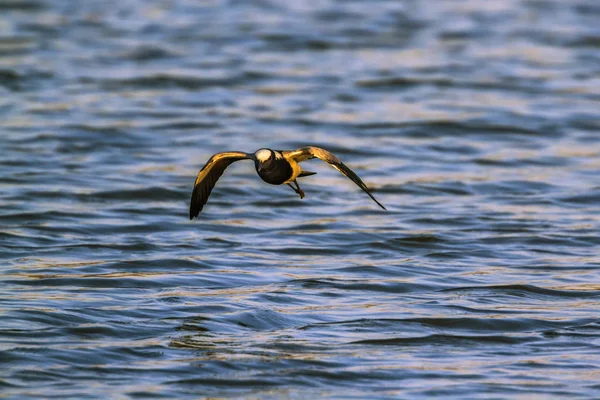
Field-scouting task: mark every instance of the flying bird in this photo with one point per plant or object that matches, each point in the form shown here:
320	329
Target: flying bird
275	167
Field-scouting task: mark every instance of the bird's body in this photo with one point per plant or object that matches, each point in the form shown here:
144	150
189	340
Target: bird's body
273	166
276	169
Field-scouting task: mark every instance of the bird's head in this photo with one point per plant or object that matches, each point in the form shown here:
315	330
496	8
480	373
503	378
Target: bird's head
263	155
263	159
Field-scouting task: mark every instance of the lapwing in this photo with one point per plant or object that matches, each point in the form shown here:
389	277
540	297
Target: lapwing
275	167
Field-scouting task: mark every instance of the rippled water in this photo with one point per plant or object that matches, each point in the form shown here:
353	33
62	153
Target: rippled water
476	123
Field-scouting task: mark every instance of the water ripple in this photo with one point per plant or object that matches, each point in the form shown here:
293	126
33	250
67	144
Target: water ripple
475	123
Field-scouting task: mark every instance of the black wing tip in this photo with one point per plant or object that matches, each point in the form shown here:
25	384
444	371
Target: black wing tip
195	204
375	200
193	213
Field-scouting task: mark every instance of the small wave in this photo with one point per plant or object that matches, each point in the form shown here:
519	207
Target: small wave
24	5
165	80
214	382
283	41
515	187
526	291
141	195
149	52
20	80
590	197
442	128
236	323
371	285
441	339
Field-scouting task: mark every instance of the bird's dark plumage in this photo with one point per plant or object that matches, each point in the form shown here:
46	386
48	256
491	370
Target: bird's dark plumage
208	176
306	153
274	167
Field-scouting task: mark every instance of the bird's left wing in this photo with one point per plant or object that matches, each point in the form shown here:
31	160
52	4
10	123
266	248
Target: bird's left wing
306	153
208	176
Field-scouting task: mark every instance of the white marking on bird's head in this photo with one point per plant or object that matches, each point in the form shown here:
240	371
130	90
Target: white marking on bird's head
263	155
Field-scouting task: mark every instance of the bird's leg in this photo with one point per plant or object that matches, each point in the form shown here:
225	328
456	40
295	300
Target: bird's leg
297	189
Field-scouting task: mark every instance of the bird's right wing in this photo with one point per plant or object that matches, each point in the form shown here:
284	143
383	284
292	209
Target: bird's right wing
208	176
306	153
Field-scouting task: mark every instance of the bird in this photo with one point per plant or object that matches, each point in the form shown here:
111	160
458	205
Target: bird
275	167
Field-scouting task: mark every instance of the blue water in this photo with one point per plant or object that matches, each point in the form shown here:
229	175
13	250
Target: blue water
476	123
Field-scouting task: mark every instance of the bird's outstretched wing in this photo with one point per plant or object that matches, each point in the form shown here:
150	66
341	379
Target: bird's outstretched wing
208	176
306	153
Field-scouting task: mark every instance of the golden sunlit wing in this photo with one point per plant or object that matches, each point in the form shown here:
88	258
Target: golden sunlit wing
208	176
306	153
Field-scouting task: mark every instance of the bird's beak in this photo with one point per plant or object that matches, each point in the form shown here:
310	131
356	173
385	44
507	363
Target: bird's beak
259	166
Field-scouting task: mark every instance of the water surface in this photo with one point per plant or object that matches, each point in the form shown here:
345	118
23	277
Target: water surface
475	123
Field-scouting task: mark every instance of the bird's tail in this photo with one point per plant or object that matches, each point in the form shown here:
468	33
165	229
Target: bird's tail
306	173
